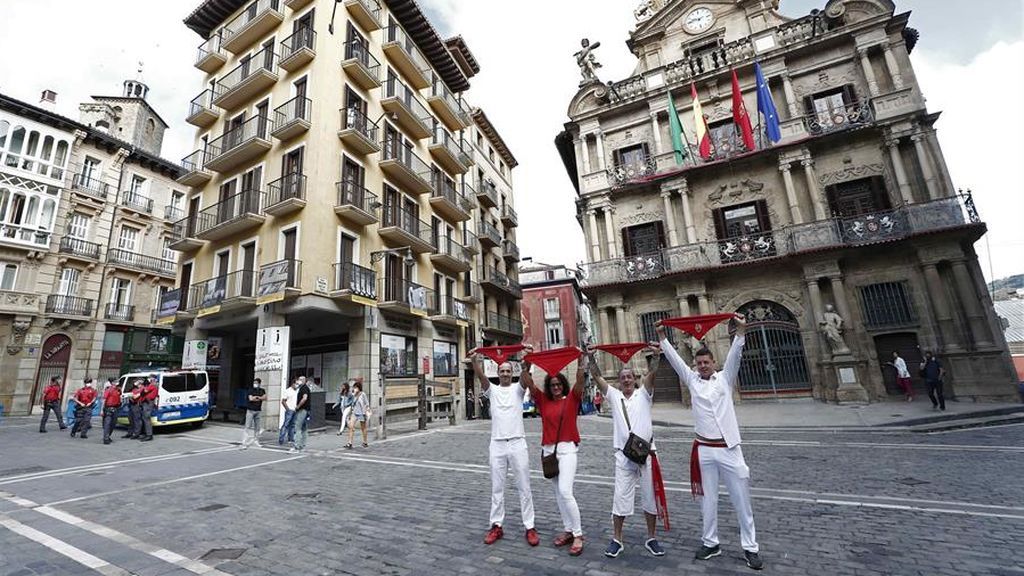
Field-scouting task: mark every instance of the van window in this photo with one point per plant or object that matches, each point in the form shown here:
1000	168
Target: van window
175	383
197	382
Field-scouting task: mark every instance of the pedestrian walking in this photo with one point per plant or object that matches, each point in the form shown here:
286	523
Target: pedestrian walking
344	405
288	398
301	422
111	406
133	391
934	373
559	409
598	401
902	375
148	398
84	400
360	413
51	401
716	451
507	448
253	414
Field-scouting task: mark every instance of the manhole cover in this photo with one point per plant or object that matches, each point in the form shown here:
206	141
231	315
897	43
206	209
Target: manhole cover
912	481
20	471
304	496
212	507
223	554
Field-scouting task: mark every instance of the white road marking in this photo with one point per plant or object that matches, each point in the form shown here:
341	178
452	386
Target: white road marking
104	465
63	548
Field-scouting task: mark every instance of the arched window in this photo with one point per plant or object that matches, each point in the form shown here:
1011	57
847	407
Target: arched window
32	213
60	160
5	197
33	143
46	218
47	149
150	127
17	209
14	150
4	127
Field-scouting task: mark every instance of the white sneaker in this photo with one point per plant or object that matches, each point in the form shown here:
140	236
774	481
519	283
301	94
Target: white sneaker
292	449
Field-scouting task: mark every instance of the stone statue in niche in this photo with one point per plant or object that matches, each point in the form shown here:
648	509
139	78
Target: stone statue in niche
587	61
832	328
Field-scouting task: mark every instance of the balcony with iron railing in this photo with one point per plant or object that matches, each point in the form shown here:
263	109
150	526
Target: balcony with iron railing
356	204
253	76
446	200
402	296
200	111
243	143
495	322
119	312
406	57
446	105
89	185
469	239
132	260
509	251
256	21
136	203
489	235
279	280
360	65
494	279
173	213
450	311
451	256
487	194
210	55
231	216
509	216
358	132
404	105
405	168
401	227
447	152
367	13
183	235
292	118
79	249
194	172
470	293
287	194
298	49
230	291
70	306
355	283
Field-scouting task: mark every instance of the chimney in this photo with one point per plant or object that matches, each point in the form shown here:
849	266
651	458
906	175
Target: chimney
48	99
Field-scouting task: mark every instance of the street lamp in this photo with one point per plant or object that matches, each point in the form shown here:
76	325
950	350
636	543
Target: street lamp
405	251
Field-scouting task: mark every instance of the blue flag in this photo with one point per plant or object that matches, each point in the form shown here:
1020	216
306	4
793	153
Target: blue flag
766	106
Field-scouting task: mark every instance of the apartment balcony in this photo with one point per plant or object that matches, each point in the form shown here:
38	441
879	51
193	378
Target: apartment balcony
29	237
233	291
200	110
296	5
447	153
635	171
451	256
183	235
366	13
119	312
358	132
405	297
406	169
496	281
469	240
18	303
834	119
286	195
211	55
489	235
228	217
239	145
356	204
298	49
256	21
406	57
509	217
194	171
354	283
361	66
449	311
292	118
251	78
78	249
503	325
401	227
402	103
278	281
89	186
446	106
132	260
446	201
69	306
510	251
487	195
470	293
173	213
135	203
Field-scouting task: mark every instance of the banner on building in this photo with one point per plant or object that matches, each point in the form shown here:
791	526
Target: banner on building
194	356
170	301
274	279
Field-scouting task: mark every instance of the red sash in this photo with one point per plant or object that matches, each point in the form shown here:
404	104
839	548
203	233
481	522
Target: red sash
660	500
623	351
696	488
501	353
697	326
553	361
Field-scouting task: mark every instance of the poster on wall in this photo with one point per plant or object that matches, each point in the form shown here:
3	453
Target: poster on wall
194	356
397	355
446	358
213	350
335	371
273	279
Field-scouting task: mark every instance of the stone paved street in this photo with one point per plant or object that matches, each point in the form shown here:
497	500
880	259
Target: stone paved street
847	502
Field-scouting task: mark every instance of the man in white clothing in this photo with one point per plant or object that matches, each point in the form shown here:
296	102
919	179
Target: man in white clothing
716	449
508	447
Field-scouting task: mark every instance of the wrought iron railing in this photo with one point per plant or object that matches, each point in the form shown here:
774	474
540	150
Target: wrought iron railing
288	187
265	59
121	312
79	247
632	171
411	294
407	221
229	209
490	231
255	127
832	119
360	52
173	213
446	188
304	37
195	161
509	213
202	102
356	119
355	278
439	90
294	110
449	247
138	261
352	194
136	202
212	45
394	88
502	323
407	158
90	185
249	13
373	7
500	279
397	35
449	306
509	248
215	291
68	305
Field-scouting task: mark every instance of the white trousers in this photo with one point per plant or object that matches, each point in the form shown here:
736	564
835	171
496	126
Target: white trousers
563	485
345	414
728	465
505	455
628	475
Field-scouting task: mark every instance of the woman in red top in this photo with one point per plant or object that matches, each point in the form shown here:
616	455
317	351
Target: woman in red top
559	407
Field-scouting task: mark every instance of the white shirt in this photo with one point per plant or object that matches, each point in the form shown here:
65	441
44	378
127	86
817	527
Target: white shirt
290	397
638	406
713	413
506	411
901	368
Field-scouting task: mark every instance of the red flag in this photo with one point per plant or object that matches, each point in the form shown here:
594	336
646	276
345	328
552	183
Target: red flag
622	351
739	114
553	361
701	124
500	353
697	326
660	500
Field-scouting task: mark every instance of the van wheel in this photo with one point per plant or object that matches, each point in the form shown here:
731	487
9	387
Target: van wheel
198	424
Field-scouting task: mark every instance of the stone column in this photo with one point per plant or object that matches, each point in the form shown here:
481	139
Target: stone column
940	162
791	100
926	166
869	72
585	157
839	293
892	66
595	237
816	306
794	204
972	304
940	305
691	230
670	218
620	323
605	327
656	127
893	144
813	190
600	151
609	229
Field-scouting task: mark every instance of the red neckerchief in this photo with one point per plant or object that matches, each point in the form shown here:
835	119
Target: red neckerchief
660	499
500	353
697	326
553	361
623	351
696	487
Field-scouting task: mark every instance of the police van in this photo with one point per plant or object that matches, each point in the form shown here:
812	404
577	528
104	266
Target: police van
184	397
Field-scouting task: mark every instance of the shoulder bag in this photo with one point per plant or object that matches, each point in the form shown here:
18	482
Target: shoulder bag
549	462
636	448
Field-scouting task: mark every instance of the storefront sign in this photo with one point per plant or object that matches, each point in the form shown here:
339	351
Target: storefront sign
194	356
273	281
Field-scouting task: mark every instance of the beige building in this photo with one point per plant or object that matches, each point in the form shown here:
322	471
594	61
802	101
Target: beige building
843	242
87	208
346	200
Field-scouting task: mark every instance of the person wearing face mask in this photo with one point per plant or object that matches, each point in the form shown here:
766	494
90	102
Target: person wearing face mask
716	449
84	399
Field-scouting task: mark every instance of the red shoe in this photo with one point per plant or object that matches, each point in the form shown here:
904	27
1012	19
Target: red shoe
493	534
577	547
563	539
531	537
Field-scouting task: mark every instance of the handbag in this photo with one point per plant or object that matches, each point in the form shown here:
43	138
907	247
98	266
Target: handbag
549	462
636	448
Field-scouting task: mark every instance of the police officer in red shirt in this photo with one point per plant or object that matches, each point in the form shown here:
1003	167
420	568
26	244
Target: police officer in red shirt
84	400
133	390
111	404
51	401
148	397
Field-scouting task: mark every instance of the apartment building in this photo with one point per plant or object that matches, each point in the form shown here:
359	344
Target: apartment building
554	307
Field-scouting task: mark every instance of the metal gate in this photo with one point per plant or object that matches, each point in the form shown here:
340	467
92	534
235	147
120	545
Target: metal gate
773	357
54	360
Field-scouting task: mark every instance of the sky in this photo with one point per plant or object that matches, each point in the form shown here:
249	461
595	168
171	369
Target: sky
528	77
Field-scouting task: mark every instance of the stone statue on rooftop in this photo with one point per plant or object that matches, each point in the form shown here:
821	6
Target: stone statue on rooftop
587	61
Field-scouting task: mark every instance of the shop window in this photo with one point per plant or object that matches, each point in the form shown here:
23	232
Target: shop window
397	355
446	358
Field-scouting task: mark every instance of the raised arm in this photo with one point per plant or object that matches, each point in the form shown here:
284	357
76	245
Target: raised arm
682	370
652	366
595	372
478	369
526	378
731	369
582	365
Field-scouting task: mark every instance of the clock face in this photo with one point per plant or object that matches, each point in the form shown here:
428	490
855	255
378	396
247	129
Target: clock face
699	19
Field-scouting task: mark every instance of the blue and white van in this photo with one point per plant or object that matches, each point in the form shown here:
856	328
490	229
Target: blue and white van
184	397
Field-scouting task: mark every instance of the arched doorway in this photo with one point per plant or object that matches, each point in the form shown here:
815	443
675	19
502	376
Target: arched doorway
774	362
53	361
